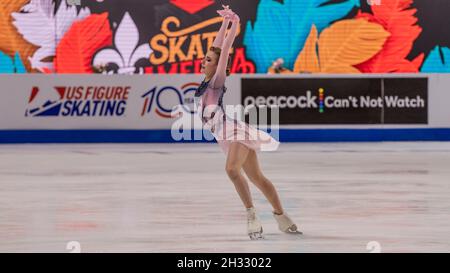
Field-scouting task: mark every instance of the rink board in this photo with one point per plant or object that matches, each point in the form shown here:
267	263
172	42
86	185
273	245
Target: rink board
139	108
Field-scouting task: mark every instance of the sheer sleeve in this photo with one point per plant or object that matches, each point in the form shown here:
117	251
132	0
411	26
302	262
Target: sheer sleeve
218	41
218	79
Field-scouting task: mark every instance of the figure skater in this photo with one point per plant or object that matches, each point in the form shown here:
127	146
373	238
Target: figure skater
238	140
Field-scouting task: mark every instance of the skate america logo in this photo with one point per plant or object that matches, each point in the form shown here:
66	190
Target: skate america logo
78	101
163	100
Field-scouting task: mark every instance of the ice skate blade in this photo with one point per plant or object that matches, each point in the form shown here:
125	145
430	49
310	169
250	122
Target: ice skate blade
256	236
293	230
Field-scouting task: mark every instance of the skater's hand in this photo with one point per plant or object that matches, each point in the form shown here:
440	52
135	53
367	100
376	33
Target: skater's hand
226	12
235	18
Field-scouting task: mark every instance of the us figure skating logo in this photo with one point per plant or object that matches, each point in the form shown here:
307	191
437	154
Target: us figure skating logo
78	101
163	100
48	106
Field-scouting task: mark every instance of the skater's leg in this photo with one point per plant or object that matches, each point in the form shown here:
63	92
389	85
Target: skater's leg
254	173
237	155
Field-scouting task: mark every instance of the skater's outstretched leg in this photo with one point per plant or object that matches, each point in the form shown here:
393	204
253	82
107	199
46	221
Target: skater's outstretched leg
254	173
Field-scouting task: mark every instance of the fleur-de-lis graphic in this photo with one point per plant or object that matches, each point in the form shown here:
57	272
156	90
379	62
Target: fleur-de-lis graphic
127	51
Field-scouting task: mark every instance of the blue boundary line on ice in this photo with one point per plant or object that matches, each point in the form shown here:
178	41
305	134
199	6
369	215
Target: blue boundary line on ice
164	136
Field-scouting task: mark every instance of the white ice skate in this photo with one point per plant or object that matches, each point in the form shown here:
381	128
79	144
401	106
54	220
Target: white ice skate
285	223
254	227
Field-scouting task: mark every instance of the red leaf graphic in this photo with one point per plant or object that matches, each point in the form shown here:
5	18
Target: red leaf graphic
417	62
75	51
397	18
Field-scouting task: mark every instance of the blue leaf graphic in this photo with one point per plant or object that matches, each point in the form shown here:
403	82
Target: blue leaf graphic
10	66
6	64
438	61
280	30
20	68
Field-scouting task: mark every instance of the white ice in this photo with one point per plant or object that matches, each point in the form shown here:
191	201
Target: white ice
177	198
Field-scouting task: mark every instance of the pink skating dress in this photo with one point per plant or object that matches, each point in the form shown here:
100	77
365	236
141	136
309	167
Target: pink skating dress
209	97
226	129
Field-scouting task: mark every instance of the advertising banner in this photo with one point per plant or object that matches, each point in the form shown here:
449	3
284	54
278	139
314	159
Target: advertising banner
341	100
98	101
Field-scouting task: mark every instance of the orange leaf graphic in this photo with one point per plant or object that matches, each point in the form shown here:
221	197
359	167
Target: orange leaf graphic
307	60
11	41
341	46
349	42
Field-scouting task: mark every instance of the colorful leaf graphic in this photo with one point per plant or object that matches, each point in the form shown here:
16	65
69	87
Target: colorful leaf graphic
75	51
6	64
398	19
341	46
10	40
20	68
52	26
9	65
282	28
438	61
307	60
349	42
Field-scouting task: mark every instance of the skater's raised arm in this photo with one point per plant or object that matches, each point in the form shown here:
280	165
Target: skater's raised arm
218	41
219	77
225	13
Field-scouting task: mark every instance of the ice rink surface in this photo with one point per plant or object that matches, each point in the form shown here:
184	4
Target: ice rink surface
177	198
